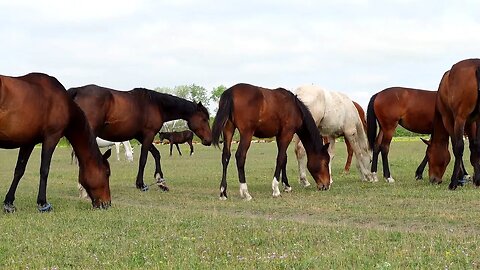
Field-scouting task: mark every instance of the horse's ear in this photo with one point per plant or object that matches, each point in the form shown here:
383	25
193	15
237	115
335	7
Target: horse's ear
107	154
199	103
427	142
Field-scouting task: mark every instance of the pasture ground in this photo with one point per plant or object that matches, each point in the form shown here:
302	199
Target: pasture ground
355	225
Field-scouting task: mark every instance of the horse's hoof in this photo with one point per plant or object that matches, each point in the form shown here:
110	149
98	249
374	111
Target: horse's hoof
143	187
390	180
45	208
418	177
163	187
287	189
223	198
9	208
452	186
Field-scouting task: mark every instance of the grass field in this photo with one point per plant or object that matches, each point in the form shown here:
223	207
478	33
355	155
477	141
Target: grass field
355	225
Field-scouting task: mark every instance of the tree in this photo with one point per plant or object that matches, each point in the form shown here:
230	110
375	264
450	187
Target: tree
216	94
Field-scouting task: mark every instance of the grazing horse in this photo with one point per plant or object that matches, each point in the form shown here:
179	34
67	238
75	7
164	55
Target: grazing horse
266	113
456	112
177	137
35	108
411	108
335	115
147	111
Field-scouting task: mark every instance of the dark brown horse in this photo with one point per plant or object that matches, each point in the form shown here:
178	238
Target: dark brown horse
176	137
266	113
139	114
456	112
413	109
35	108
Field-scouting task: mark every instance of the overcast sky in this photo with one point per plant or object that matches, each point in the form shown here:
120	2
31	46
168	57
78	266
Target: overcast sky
357	47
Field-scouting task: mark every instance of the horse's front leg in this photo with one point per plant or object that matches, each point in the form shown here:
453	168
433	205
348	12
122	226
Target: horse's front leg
301	161
282	144
240	157
161	182
421	168
286	185
23	156
48	147
142	161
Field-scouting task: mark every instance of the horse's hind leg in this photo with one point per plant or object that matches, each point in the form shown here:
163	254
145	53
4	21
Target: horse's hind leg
191	146
178	149
23	156
384	149
227	141
171	148
349	156
158	175
375	154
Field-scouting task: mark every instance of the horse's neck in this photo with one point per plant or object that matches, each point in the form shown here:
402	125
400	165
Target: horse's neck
81	140
176	108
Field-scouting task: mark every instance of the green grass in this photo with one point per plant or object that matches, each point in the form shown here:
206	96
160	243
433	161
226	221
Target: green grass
355	225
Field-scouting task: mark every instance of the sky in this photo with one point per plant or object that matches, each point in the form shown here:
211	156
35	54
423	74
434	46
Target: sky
357	47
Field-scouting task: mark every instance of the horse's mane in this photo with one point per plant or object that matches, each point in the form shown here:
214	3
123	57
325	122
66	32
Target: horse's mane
308	127
79	124
169	102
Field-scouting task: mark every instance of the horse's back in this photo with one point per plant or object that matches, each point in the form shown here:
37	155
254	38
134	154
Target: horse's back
33	106
263	111
412	108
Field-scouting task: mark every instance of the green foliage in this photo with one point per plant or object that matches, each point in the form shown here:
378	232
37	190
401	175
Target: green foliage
406	225
402	132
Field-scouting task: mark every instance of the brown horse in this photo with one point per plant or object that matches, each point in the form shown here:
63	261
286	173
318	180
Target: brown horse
177	137
456	112
139	114
412	108
35	108
266	113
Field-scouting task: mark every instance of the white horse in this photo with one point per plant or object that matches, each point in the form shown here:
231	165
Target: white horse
102	144
126	144
335	115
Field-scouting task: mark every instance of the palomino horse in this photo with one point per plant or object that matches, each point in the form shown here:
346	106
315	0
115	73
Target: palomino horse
335	115
177	137
35	108
104	144
456	110
147	111
266	113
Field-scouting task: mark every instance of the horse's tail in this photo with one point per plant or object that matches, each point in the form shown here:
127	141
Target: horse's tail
224	113
371	122
308	126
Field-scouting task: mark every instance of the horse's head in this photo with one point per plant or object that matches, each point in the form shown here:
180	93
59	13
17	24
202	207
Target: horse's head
162	136
438	158
317	165
198	122
96	182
